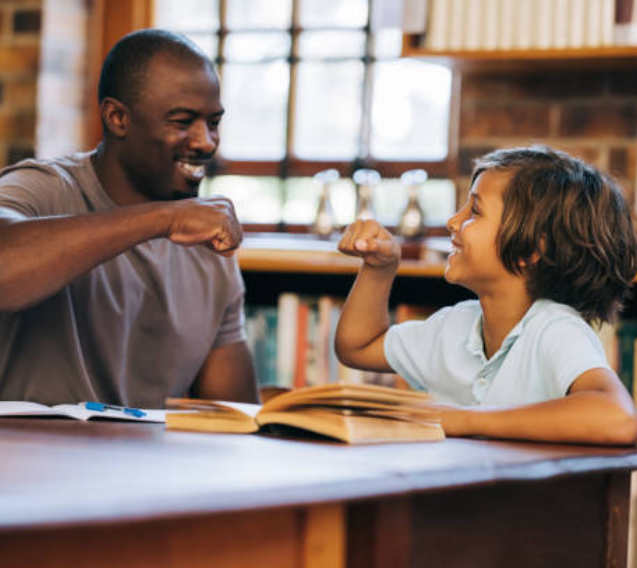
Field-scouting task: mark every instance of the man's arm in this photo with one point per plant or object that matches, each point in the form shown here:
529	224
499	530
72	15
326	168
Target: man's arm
365	317
39	256
597	410
227	374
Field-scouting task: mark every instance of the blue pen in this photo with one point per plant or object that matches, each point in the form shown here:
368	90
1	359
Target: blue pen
101	407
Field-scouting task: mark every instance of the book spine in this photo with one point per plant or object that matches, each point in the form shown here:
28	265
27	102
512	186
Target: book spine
561	23
414	16
491	24
437	34
508	20
286	338
525	24
593	35
300	368
577	37
473	25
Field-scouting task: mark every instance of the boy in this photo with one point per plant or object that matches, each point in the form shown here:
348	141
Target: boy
547	244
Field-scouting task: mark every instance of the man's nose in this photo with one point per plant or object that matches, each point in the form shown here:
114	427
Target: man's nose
204	139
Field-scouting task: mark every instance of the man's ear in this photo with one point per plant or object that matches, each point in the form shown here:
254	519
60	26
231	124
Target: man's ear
115	116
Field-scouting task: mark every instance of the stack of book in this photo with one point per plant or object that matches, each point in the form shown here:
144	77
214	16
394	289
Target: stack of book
483	25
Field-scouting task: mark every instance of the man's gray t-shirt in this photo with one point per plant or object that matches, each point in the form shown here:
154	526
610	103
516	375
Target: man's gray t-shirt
133	330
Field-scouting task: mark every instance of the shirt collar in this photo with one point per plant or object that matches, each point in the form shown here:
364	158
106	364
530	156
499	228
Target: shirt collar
475	344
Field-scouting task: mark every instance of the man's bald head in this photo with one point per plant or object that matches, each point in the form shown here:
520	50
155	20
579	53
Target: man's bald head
124	70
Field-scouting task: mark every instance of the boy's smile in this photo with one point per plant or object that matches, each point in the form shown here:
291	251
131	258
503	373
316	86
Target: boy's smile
474	261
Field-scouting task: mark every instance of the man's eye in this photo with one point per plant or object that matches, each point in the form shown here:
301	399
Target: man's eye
182	121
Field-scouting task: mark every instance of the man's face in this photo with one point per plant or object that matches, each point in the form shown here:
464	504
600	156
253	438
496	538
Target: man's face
174	128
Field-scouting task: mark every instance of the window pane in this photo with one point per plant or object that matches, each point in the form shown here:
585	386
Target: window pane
337	13
410	110
301	200
187	15
256	199
319	45
255	97
302	196
208	43
328	110
252	47
436	197
250	14
388	43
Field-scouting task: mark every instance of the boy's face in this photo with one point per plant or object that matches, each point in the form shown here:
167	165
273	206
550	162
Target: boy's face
474	261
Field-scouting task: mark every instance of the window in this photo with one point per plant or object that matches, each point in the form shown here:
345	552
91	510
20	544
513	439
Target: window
316	84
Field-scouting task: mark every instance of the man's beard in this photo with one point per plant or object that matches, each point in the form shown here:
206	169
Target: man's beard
177	195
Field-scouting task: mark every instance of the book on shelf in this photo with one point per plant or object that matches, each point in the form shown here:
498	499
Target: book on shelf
354	414
261	332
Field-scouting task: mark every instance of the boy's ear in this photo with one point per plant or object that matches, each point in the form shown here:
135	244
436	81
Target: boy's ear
532	260
115	116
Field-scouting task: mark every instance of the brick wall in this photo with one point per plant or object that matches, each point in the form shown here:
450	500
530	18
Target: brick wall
20	25
63	99
591	114
43	99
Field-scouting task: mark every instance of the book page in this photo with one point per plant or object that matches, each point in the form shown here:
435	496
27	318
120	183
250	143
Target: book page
76	411
23	408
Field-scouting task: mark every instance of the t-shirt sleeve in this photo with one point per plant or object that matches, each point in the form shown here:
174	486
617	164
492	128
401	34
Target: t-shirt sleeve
568	349
232	329
31	192
410	346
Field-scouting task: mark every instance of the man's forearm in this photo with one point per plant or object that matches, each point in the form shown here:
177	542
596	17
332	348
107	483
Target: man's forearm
38	257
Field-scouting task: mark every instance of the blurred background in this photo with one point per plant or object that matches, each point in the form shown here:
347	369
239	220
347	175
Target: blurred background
315	84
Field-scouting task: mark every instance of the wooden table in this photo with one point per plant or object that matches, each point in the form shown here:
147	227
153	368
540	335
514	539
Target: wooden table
119	494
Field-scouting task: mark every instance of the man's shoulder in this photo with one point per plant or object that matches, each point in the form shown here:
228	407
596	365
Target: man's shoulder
58	166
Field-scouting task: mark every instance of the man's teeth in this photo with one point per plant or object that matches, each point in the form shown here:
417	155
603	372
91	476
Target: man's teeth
197	170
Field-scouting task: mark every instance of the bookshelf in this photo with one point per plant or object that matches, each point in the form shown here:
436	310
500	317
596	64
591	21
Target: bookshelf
273	264
531	59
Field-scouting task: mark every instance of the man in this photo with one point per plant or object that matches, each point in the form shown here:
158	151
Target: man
117	283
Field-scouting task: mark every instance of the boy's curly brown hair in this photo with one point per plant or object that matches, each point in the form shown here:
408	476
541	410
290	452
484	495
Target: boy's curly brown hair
567	228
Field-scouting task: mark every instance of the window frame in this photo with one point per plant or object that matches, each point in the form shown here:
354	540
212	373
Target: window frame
113	18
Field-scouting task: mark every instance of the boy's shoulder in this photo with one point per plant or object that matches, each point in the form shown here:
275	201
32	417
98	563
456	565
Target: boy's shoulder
553	320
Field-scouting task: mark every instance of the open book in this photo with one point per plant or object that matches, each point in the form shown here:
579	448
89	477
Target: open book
80	411
350	413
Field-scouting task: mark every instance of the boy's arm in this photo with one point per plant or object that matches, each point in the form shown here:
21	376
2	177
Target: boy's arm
365	316
597	410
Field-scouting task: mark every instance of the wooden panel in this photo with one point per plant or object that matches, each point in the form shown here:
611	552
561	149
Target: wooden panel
555	524
264	539
324	536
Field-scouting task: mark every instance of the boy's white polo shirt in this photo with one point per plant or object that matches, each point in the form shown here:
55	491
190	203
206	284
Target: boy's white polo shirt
538	360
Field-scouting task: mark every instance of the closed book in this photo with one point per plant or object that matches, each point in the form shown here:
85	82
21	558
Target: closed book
491	24
577	37
593	33
561	23
525	24
473	25
288	307
354	414
437	38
